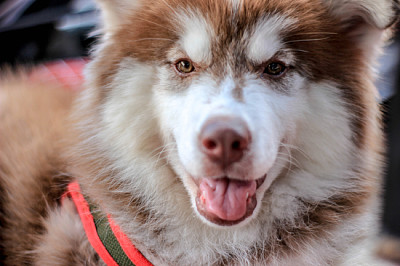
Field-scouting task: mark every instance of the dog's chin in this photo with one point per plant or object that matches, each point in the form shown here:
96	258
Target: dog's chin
226	201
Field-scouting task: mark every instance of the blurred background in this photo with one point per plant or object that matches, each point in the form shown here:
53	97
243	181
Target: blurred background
34	31
58	32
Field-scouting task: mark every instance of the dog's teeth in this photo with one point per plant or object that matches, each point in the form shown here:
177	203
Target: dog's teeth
248	198
202	198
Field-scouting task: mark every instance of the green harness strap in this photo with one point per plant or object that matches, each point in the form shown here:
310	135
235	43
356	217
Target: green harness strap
108	238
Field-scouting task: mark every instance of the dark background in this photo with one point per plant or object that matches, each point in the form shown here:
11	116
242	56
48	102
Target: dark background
36	31
33	31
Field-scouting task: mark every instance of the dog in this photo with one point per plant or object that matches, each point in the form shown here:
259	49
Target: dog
209	132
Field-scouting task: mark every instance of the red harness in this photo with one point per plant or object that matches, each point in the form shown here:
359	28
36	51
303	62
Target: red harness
89	225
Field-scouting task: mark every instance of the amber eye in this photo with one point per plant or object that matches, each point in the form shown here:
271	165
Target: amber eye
184	66
275	69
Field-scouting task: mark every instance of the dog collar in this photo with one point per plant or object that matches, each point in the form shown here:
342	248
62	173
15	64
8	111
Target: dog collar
107	239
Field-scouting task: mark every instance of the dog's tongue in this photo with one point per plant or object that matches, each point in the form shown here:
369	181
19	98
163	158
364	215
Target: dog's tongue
226	198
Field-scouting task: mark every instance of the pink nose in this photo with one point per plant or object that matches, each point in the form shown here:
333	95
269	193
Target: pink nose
224	140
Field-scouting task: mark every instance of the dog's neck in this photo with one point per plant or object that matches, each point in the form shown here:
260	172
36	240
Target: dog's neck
105	236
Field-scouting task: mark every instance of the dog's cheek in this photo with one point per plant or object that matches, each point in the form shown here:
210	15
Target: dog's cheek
176	113
271	116
128	105
186	132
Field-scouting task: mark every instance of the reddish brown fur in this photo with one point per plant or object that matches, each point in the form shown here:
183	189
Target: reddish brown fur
65	242
32	125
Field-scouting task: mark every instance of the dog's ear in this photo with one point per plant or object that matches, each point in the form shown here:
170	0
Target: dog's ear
365	21
114	11
377	13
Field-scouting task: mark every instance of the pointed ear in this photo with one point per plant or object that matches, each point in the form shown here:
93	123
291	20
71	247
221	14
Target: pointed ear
114	11
365	21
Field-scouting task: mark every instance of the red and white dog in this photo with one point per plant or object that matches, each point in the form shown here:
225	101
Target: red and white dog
212	132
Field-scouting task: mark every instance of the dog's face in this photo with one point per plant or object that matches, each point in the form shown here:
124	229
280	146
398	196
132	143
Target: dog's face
233	88
227	100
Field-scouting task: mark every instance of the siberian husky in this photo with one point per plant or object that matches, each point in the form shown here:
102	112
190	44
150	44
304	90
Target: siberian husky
209	132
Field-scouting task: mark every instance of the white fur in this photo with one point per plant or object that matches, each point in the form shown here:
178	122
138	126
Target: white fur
196	36
323	150
265	40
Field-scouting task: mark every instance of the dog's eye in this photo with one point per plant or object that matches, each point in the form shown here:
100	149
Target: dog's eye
184	66
275	69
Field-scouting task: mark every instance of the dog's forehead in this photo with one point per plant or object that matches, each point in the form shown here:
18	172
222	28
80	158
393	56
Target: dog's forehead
228	34
201	38
242	28
266	37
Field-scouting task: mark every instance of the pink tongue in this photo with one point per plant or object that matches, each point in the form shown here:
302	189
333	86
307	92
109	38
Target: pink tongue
226	198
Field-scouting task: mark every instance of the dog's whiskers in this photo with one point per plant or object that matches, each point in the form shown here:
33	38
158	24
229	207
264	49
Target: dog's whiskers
296	148
307	40
154	39
295	50
154	23
161	149
316	33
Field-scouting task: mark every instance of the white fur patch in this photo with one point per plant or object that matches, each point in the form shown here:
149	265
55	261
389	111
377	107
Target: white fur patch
265	40
322	150
196	37
126	121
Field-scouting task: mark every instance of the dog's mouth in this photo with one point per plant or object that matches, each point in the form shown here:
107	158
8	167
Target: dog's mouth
226	201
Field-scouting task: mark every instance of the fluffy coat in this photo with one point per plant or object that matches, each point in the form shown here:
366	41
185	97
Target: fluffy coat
130	137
